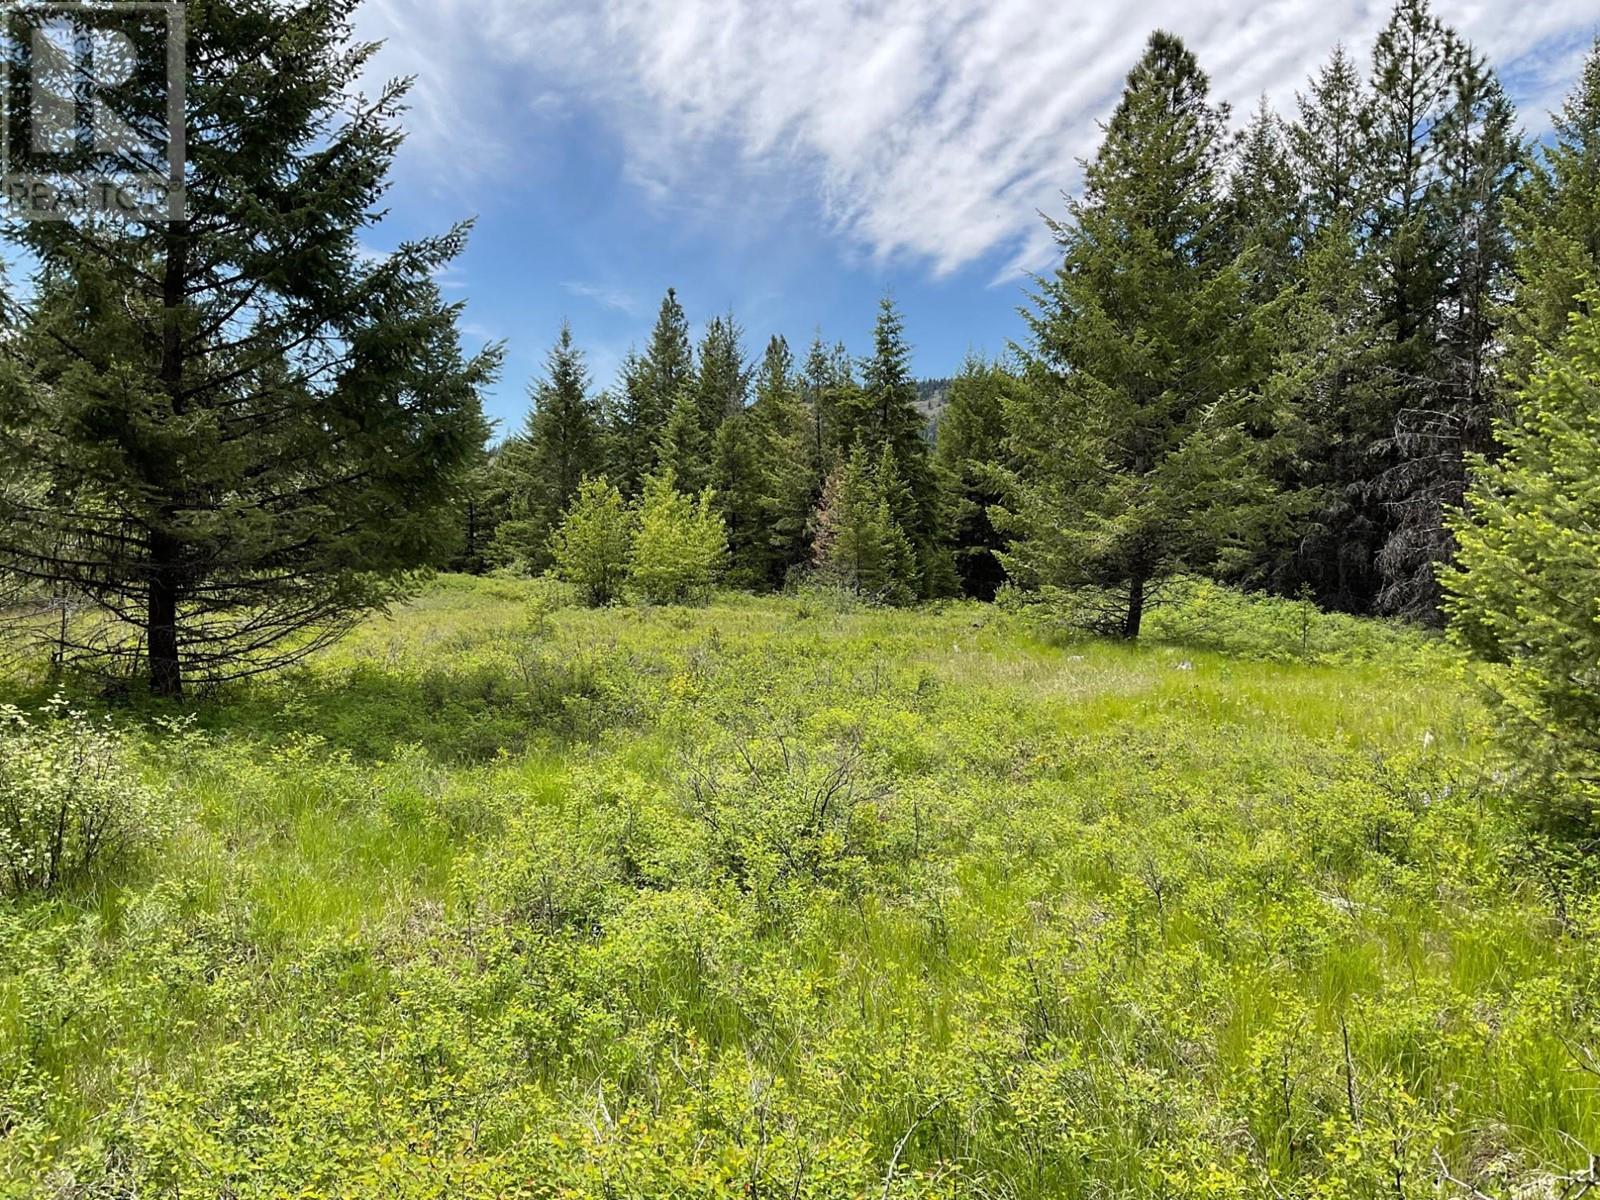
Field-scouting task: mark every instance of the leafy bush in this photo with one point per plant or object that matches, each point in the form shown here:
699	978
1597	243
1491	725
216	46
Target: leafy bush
681	545
590	546
69	800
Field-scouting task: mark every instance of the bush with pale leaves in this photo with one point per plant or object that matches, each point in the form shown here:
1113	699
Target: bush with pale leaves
70	799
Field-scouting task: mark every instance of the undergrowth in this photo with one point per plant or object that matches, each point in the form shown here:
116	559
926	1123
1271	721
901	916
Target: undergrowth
799	899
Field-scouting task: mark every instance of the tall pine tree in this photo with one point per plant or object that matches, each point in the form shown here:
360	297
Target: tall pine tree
1126	442
247	429
1446	154
883	414
560	446
967	457
1555	217
649	390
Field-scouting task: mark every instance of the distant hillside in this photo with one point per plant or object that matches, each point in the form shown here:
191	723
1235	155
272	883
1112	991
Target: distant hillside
932	397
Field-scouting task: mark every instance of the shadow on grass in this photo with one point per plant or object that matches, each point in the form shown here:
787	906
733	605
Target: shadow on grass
460	714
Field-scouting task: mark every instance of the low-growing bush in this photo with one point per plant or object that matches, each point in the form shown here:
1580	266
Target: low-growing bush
69	799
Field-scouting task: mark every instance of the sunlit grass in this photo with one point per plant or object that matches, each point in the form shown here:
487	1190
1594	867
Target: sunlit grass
497	895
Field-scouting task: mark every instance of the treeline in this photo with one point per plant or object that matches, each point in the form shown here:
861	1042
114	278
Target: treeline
821	464
1271	354
1289	356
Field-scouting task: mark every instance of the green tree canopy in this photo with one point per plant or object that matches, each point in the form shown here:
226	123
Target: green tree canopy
242	429
561	444
1524	596
1128	436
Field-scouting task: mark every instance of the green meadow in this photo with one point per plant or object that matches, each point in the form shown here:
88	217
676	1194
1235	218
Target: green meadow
792	897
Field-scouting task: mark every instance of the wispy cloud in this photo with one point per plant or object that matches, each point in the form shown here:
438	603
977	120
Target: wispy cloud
923	129
615	298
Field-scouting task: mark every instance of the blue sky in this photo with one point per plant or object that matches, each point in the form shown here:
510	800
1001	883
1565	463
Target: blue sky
792	160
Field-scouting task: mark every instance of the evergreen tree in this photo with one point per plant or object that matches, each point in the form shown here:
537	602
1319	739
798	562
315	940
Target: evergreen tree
884	414
482	502
1328	143
828	387
685	450
1410	95
650	390
1265	206
859	546
560	446
258	430
1331	358
1129	455
1524	595
967	457
1555	217
719	388
722	377
626	411
1448	153
1325	396
740	485
786	430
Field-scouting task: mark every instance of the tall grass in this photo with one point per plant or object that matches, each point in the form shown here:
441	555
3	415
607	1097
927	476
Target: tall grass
785	898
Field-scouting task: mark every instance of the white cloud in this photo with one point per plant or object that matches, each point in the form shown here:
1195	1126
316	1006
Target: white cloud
615	298
928	129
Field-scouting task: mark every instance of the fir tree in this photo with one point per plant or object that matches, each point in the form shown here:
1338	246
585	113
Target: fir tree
627	411
1555	217
859	546
1330	366
828	387
1265	206
685	449
482	501
1328	143
560	446
650	390
258	430
967	456
1410	95
1524	595
786	431
722	377
1127	441
1450	154
719	389
740	487
885	415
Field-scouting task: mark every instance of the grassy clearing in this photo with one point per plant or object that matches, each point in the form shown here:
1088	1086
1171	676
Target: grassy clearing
788	899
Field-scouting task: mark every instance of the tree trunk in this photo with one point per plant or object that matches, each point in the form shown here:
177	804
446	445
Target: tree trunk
1135	618
161	630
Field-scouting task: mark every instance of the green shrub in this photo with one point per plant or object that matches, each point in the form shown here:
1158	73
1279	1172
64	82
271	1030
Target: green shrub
590	547
1202	615
681	545
69	800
